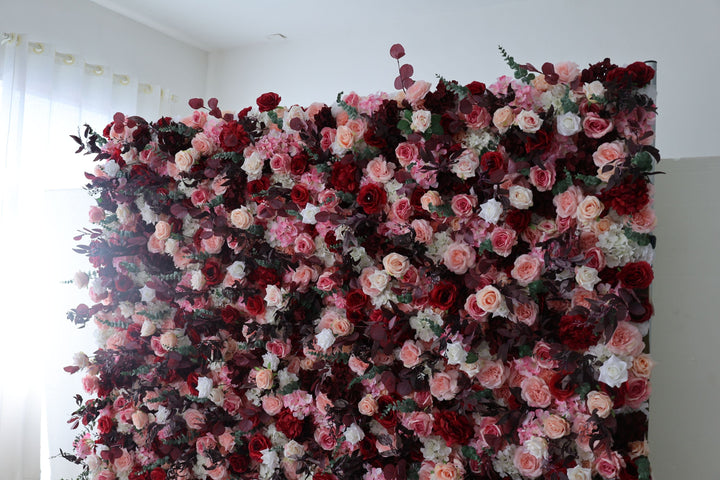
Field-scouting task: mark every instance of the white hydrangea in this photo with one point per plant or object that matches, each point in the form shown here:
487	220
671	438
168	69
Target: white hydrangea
197	280
146	212
615	245
254	395
162	414
253	166
147	294
283	179
392	187
270	462
190	226
111	168
479	140
440	243
422	324
285	378
435	449
361	258
271	361
504	464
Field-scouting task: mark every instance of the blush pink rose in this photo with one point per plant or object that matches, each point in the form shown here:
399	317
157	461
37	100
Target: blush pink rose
644	221
542	353
419	422
599	402
406	153
492	375
417	92
473	309
304	244
357	366
626	340
489	298
264	378
638	390
478	118
203	144
526	269
213	245
194	418
503	240
380	171
526	313
409	354
368	406
278	348
555	427
596	126
609	465
608	152
459	257
96	214
527	464
443	385
463	205
325	282
535	392
155	244
423	231
401	210
105	475
566	203
567	71
272	405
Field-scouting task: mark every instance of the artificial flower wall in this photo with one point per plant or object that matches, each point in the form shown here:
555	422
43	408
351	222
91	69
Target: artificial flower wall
445	282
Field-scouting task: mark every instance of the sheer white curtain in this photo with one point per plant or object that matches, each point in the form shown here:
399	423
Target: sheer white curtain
45	95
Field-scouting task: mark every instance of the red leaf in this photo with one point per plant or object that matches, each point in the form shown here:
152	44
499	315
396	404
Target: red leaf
212	103
397	51
398	83
196	103
406	71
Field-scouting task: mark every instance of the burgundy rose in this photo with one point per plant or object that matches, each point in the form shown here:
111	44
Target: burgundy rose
444	295
233	137
158	474
105	424
123	283
540	141
476	88
355	300
454	428
518	220
257	444
560	387
288	424
389	419
268	101
255	187
192	382
577	333
629	197
343	177
298	163
213	272
238	463
636	275
230	314
372	198
324	476
641	73
300	195
263	276
493	164
255	305
648	312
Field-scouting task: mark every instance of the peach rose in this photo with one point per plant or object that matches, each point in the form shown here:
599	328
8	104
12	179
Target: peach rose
368	406
430	198
526	269
535	392
638	448
423	231
644	221
344	138
241	218
163	230
555	427
459	257
446	471
626	340
272	404
642	365
589	209
600	402
184	159
341	327
139	419
419	422
357	366
489	298
168	340
155	244
203	144
527	464
443	385
417	91
492	374
264	378
409	354
395	264
503	118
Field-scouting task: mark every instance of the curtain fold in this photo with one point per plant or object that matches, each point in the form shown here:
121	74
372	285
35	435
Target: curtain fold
45	96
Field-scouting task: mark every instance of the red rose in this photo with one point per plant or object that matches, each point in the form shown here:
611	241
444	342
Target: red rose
454	428
298	163
344	177
123	283
389	419
257	444
255	305
300	195
647	313
264	276
577	333
640	73
213	272
324	476
256	186
192	382
372	198
355	300
230	314
233	137
493	164
105	424
476	88
443	296
288	424
636	275
559	389
268	101
158	474
239	463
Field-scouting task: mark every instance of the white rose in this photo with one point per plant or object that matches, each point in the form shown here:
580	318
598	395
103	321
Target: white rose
274	296
325	339
197	281
147	294
293	112
528	121
308	214
204	385
491	210
586	277
420	120
594	89
81	360
293	450
520	197
613	372
237	269
379	280
455	353
354	434
537	446
579	473
123	213
568	124
253	166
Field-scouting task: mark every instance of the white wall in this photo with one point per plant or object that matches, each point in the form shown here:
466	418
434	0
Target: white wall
103	37
461	44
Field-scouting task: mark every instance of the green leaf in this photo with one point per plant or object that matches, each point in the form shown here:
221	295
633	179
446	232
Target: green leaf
216	201
521	73
435	126
443	210
470	453
524	172
485	246
351	111
472	357
406	405
405	298
563	184
583	390
643	466
525	351
256	230
641	239
536	288
644	161
568	105
289	388
460	90
404	126
589	180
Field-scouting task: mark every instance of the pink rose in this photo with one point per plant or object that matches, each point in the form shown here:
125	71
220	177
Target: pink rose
555	427
278	348
478	118
595	126
543	179
492	374
272	405
357	366
526	313
213	245
163	230
341	327
609	465
264	378
463	205
409	354
194	418
526	269
608	152
123	463
527	464
380	171
406	153
644	221
567	202
280	163
542	353
218	472
638	390
567	71
417	92
535	392
503	240
96	214
196	119
155	244
205	443
325	282
626	340
528	121
105	475
473	309
327	137
203	144
443	385
304	244
447	471
423	231
459	257
419	422
642	365
401	210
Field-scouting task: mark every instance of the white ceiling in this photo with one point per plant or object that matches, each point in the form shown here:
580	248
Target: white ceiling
222	24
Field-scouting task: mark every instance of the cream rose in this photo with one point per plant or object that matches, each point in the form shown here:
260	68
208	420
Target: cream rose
489	298
528	121
396	265
241	218
599	402
586	277
589	209
503	118
568	124
421	120
520	197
